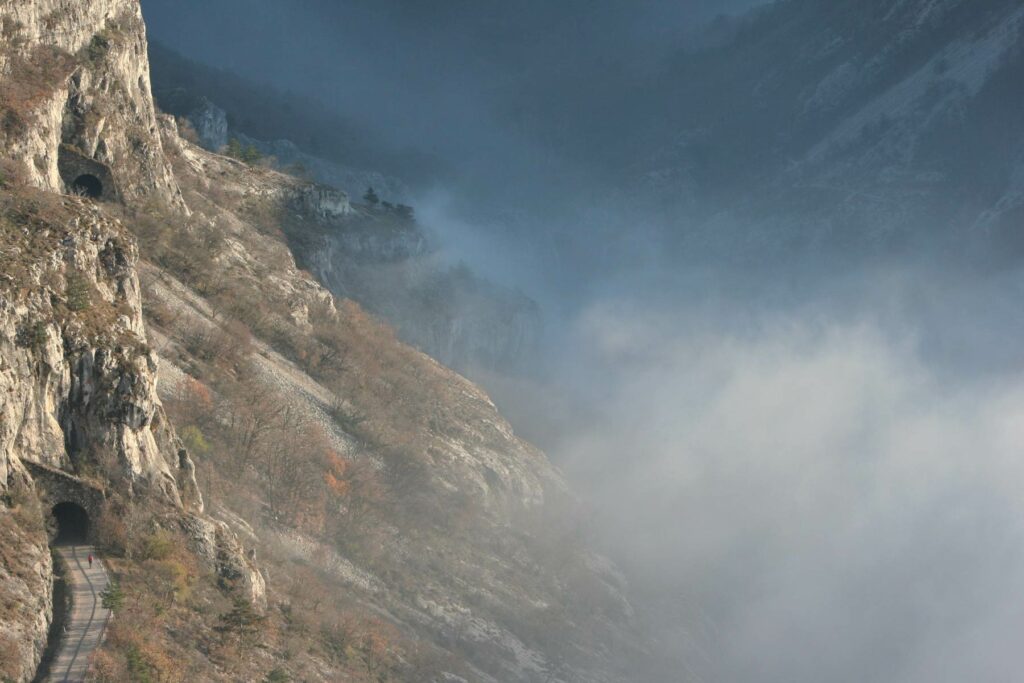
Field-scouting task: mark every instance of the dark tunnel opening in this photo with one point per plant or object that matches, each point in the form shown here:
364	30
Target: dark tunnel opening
72	523
87	185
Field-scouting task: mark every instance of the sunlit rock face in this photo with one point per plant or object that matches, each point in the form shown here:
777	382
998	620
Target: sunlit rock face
77	394
79	382
76	84
77	376
79	117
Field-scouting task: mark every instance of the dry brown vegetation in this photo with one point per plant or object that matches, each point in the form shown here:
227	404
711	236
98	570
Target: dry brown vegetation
259	456
401	406
270	463
263	444
405	401
33	224
27	217
24	545
174	624
29	82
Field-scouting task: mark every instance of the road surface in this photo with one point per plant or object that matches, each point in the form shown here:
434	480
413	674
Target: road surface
88	619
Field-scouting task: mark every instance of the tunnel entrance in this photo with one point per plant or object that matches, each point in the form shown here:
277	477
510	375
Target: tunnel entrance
87	185
72	524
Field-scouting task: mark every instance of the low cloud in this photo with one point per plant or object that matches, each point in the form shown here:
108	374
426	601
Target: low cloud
805	497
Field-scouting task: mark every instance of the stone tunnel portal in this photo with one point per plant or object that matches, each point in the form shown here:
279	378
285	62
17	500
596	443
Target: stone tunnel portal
85	176
87	185
72	523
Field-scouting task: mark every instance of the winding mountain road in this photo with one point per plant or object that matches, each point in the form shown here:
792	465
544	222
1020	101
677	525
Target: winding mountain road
87	622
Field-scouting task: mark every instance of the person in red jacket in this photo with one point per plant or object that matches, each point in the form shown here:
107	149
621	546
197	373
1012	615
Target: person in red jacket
90	560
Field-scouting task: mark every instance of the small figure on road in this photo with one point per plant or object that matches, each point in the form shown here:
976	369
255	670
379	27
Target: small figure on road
90	560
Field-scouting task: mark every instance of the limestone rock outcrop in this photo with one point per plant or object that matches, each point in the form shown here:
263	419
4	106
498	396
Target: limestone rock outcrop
78	391
26	595
77	98
78	388
77	380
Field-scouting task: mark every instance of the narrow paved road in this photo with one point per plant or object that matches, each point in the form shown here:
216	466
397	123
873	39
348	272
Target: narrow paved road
88	619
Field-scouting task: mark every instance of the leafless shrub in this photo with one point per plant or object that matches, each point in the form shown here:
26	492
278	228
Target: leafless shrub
187	130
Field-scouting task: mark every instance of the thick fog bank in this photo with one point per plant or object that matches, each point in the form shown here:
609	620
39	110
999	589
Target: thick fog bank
822	489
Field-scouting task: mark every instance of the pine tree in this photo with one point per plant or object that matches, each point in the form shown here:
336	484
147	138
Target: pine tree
112	598
241	620
233	149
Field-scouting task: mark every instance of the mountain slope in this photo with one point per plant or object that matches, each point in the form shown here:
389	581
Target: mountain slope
159	339
860	126
450	525
374	252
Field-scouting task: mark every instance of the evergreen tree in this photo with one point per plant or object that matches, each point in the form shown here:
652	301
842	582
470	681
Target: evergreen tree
233	149
241	620
113	597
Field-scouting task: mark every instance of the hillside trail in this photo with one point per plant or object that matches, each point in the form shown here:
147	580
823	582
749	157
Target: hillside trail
87	623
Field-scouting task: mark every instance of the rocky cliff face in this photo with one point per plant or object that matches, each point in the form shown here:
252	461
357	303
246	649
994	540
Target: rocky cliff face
77	389
26	589
77	377
77	98
78	395
78	380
